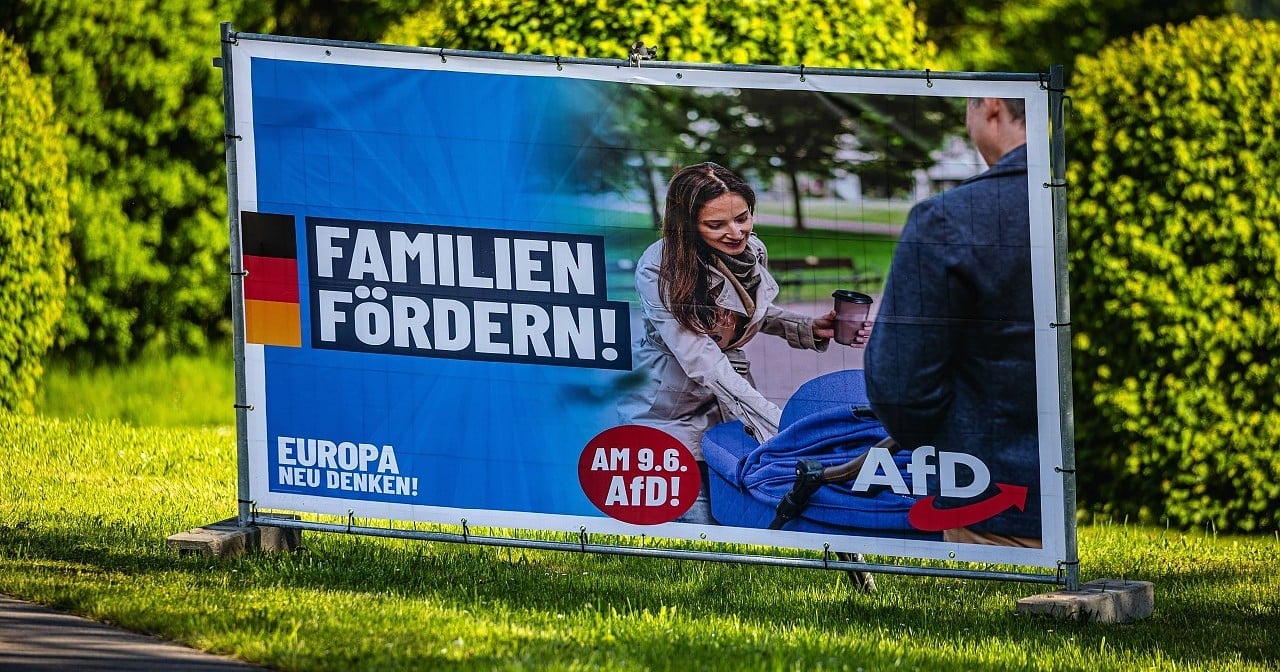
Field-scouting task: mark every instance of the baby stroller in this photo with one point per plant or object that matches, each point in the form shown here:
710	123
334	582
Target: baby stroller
800	479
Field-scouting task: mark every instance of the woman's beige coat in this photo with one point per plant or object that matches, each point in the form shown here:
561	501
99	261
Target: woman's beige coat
691	382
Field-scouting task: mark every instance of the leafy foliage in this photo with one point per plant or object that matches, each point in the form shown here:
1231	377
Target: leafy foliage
868	33
1257	9
33	227
1176	274
827	134
1031	35
358	20
745	130
134	85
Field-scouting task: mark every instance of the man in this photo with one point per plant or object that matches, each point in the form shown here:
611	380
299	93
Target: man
951	360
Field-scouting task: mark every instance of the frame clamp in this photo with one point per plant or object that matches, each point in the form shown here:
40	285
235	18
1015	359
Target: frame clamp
639	52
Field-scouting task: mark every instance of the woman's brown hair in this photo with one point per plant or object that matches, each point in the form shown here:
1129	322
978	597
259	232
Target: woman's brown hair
682	276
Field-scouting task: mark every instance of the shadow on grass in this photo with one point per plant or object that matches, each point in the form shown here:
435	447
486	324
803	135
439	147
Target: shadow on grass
899	623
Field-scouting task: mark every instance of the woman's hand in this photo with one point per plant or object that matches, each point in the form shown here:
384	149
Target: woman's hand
824	326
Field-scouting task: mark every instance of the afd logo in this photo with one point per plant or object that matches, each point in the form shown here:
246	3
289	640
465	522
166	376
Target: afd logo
881	470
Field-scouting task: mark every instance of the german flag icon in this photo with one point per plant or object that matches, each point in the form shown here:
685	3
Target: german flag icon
272	314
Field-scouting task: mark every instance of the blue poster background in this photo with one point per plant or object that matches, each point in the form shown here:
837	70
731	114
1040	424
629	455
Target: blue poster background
438	148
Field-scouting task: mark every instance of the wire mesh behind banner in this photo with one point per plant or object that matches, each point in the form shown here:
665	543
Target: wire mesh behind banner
582	304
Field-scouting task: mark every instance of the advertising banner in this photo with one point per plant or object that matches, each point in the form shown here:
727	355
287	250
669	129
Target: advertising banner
691	303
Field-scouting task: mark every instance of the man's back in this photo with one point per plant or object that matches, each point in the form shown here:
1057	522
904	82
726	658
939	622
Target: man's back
951	360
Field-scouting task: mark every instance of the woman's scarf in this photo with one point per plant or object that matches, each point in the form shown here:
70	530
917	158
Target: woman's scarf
744	275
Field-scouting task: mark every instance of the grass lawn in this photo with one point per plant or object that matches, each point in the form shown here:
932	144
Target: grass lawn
870	210
86	504
185	391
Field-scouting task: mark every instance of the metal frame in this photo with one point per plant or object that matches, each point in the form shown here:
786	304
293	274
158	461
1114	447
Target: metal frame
230	137
927	75
584	545
1066	412
1068	571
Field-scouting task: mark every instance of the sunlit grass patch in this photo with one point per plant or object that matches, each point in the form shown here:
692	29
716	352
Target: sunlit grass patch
183	391
85	507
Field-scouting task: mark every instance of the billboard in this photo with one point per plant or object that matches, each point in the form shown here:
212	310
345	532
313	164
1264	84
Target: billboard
460	303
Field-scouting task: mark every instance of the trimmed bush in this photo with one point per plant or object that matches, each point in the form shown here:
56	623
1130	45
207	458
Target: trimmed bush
33	227
869	33
1175	266
134	86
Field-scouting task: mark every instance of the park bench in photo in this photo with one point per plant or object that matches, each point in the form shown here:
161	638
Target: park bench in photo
813	270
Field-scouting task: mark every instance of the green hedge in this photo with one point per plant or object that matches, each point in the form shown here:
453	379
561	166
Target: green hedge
134	85
33	227
1175	268
869	33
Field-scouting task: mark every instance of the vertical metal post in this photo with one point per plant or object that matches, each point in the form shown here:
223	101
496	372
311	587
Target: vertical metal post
1058	178
237	277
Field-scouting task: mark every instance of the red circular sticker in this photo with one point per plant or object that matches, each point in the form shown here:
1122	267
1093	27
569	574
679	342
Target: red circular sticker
639	475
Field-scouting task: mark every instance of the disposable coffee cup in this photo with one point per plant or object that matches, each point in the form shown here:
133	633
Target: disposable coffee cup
852	309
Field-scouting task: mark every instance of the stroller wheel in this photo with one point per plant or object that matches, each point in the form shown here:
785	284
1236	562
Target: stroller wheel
862	581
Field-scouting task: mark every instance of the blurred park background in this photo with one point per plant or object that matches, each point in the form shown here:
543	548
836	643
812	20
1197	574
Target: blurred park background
114	239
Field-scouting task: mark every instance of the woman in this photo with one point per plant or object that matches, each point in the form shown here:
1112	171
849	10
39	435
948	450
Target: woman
705	291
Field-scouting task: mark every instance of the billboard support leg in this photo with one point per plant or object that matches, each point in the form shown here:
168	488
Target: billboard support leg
229	538
1062	322
244	504
1098	601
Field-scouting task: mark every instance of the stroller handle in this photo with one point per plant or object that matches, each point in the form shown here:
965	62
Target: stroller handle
849	470
811	475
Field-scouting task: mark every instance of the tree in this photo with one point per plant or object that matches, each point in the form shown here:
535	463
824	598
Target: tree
1257	9
356	20
870	34
628	136
1175	215
33	227
134	86
759	133
1031	35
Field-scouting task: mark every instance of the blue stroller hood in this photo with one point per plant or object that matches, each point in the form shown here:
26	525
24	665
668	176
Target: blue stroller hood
824	421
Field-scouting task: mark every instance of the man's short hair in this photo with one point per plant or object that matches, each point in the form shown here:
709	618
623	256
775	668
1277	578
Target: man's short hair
1017	107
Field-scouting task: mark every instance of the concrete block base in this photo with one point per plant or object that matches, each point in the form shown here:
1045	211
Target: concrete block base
1099	601
226	538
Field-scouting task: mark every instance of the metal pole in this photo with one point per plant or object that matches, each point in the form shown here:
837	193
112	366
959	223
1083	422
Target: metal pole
670	65
582	546
230	138
1058	179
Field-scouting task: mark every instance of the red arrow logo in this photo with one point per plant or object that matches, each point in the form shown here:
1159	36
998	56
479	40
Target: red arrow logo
926	517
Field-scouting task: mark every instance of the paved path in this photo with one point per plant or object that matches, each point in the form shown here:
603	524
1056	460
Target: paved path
779	369
34	638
